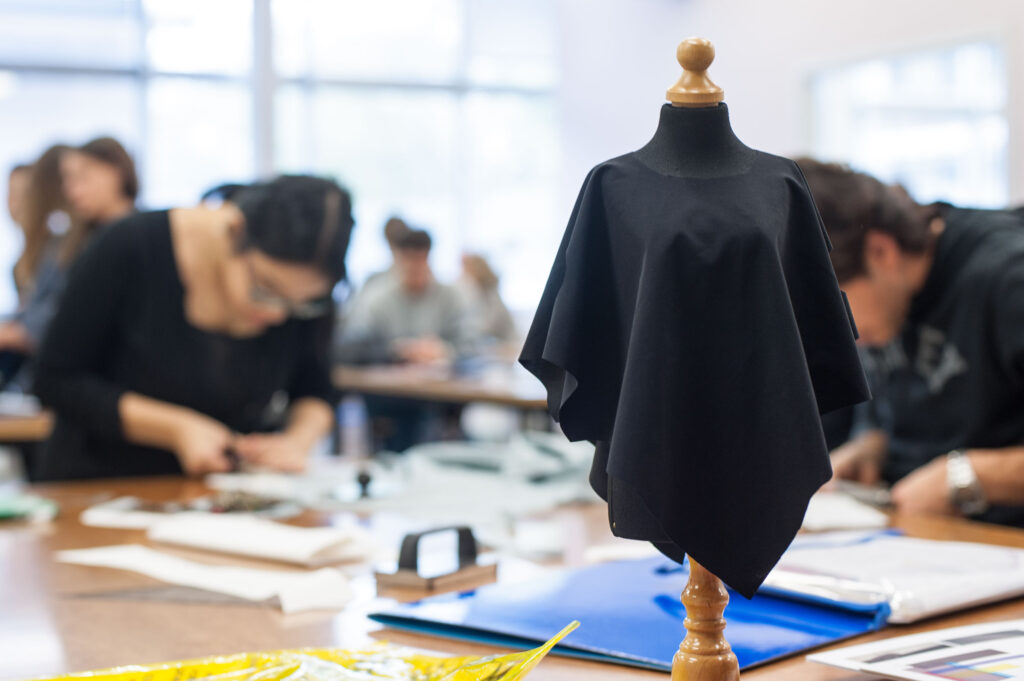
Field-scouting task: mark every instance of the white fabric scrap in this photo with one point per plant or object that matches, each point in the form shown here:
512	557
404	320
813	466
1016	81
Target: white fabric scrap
324	589
259	538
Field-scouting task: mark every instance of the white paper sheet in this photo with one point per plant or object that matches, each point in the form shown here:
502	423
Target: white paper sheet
324	589
840	511
917	577
982	652
258	538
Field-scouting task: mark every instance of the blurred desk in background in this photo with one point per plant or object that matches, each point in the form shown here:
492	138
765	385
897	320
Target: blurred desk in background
508	385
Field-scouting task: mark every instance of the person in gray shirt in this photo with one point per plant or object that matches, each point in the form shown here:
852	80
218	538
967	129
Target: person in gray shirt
407	315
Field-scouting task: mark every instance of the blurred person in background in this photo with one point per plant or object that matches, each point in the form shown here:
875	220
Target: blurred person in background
101	186
17	189
394	229
11	334
407	317
43	208
937	293
75	191
193	337
478	287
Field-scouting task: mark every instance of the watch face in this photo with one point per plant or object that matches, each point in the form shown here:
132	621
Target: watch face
969	500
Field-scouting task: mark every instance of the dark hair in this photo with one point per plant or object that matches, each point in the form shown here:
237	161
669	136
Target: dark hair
110	151
394	228
223	192
851	203
43	198
414	240
299	219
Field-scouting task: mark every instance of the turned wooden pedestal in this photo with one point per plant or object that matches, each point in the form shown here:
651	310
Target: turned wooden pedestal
704	655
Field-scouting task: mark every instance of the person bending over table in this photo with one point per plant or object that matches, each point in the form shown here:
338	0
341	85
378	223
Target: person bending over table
937	293
183	335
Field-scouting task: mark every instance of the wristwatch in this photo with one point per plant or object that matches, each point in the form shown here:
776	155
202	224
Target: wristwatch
965	491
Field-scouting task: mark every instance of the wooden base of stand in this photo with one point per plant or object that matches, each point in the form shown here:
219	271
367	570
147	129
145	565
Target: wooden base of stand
704	655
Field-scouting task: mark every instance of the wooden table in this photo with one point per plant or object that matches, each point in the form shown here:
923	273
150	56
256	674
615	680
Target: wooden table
50	624
509	385
23	429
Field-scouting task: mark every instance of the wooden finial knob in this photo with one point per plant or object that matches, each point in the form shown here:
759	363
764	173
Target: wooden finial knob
694	88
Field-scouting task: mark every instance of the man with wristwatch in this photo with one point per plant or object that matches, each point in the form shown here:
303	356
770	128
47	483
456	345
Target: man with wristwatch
937	293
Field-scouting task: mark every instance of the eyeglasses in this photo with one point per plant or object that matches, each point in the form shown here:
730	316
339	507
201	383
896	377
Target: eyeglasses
310	309
262	295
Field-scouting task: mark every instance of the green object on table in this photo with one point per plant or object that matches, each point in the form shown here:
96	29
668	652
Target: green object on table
27	507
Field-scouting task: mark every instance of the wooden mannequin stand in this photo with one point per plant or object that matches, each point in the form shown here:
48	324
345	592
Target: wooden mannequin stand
704	655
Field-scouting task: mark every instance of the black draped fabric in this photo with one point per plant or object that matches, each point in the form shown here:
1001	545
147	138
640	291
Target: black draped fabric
693	329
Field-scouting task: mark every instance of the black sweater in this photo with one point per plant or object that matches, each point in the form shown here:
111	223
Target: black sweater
121	327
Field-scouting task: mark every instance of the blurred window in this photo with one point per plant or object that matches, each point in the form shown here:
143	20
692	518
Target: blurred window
440	111
170	79
934	121
71	33
199	134
199	36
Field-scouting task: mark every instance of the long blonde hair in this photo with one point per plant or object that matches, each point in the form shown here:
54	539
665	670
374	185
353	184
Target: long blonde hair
477	267
43	198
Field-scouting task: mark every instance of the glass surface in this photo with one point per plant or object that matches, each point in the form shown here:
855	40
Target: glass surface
199	134
397	40
98	33
199	36
47	109
933	121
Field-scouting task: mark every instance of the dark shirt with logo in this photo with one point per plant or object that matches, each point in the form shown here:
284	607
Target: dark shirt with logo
954	378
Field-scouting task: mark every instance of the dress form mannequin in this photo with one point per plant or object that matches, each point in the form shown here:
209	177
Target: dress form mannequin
692	328
694	139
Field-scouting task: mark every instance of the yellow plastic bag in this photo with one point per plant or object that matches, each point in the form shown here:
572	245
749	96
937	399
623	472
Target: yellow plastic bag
382	662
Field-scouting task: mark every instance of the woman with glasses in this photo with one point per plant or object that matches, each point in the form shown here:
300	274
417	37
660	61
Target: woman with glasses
192	338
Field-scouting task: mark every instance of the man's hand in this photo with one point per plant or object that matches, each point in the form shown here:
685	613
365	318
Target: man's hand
421	350
860	459
924	491
280	451
201	445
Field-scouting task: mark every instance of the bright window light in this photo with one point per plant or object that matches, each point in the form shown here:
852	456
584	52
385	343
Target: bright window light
934	121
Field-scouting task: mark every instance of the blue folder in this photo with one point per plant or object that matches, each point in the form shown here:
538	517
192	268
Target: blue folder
630	614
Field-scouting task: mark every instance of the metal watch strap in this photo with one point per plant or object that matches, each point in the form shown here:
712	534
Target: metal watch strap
965	492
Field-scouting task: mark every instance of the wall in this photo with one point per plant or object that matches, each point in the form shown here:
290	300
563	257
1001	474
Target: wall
618	58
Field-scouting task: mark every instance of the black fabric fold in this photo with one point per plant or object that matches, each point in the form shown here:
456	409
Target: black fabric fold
694	330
